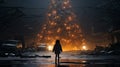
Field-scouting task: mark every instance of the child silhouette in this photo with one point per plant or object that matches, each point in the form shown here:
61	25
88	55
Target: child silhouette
57	49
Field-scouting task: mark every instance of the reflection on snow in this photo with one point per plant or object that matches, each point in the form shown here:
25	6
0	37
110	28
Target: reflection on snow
71	59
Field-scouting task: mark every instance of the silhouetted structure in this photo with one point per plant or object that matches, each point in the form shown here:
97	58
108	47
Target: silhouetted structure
57	49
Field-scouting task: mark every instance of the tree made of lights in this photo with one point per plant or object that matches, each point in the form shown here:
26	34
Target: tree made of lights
61	24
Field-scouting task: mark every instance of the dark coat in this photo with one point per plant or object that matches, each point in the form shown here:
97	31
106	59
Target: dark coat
57	48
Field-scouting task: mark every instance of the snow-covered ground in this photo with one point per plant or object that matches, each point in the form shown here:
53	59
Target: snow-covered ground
65	58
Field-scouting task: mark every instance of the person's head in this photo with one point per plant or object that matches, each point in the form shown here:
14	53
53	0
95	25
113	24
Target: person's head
57	41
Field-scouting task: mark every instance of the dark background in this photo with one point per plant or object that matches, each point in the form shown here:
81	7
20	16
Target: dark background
25	17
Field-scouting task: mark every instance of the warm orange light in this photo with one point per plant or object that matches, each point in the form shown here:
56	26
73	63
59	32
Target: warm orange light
84	47
68	28
72	35
52	23
65	2
19	46
62	24
44	28
41	36
65	24
49	32
70	18
54	12
58	30
49	14
50	48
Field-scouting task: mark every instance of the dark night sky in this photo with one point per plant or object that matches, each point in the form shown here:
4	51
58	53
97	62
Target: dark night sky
28	15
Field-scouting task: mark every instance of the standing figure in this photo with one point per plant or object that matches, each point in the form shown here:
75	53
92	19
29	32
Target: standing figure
57	49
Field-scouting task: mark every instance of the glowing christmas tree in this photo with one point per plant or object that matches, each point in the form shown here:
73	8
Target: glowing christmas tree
61	24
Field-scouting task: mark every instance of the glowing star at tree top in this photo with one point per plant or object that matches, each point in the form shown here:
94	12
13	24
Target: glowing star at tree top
61	24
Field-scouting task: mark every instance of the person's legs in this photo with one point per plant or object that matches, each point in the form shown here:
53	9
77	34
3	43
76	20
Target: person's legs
55	58
58	59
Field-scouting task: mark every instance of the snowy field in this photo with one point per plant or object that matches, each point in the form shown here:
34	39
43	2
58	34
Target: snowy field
66	58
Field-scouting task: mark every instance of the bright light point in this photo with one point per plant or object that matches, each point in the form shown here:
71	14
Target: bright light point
65	2
84	47
50	48
54	12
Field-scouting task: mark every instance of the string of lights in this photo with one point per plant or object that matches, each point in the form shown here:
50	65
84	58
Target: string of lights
61	24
